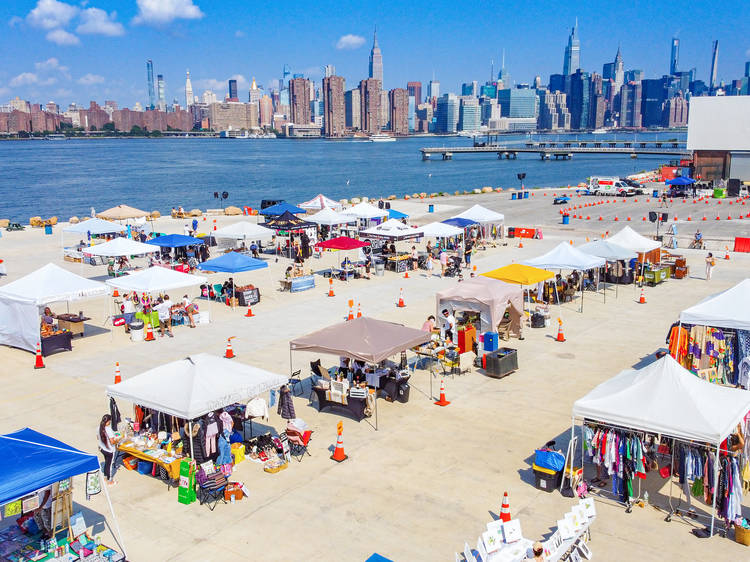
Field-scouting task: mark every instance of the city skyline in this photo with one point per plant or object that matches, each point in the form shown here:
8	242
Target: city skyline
81	68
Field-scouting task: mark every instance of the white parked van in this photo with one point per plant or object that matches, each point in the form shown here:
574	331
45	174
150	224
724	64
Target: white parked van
614	187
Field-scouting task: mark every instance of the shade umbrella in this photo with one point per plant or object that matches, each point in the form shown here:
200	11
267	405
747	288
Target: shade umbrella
122	212
343	243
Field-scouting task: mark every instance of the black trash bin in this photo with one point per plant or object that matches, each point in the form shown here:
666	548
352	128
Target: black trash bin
403	392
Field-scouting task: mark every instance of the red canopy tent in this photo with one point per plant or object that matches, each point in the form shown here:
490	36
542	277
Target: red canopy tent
342	243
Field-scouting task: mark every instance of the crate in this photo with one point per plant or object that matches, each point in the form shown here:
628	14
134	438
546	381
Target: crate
233	490
145	467
546	479
130	463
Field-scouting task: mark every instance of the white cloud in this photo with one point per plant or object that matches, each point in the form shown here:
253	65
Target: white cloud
14	21
97	22
49	14
350	41
62	37
4	91
220	87
51	63
24	79
160	12
239	33
90	79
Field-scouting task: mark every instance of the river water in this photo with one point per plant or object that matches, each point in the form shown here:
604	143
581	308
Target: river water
66	178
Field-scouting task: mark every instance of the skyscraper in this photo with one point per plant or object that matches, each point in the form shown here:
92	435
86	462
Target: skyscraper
572	60
369	98
653	96
630	105
714	66
447	114
329	70
518	103
433	89
150	80
398	99
415	89
188	91
579	102
233	91
376	60
299	101
162	103
675	56
334	106
469	117
353	109
255	93
619	70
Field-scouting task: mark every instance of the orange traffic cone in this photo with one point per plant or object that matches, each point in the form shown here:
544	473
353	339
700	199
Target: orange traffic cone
330	287
351	310
726	255
520	244
115	293
39	364
560	335
616	219
642	300
359	310
249	313
338	453
401	303
229	353
505	509
442	401
406	274
118	378
149	333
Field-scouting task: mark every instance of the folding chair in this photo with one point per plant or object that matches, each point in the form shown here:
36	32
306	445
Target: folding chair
294	380
210	488
217	292
298	442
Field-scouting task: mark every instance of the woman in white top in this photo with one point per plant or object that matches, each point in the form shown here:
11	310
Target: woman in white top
107	446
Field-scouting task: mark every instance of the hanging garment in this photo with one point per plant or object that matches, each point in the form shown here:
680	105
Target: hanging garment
286	404
227	424
114	411
212	430
225	451
257	408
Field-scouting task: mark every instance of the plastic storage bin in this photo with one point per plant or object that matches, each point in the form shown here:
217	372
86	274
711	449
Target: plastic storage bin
145	467
546	479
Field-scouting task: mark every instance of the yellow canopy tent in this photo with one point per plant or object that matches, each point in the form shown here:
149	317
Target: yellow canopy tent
519	274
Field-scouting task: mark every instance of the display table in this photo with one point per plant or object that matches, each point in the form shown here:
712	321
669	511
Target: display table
656	275
172	468
355	406
72	323
399	263
57	342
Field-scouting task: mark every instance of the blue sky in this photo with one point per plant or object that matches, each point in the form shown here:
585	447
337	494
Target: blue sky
96	49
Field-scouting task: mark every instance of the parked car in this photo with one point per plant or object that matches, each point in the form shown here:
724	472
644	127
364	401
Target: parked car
637	187
610	186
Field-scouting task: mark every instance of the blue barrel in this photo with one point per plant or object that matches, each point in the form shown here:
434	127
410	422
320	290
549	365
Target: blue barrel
513	196
525	194
48	229
656	193
431	208
566	219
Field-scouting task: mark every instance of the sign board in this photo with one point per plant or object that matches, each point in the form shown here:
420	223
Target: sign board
77	524
248	297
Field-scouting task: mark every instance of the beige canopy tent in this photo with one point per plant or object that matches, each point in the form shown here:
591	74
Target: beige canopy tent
122	212
490	297
364	339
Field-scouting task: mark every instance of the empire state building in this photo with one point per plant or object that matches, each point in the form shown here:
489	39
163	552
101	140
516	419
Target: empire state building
376	60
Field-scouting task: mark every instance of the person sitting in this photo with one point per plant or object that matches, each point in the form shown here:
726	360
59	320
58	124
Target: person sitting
358	372
227	289
48	317
289	273
254	249
429	324
344	367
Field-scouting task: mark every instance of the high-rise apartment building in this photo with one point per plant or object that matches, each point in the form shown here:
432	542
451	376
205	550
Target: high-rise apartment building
553	111
208	97
415	89
675	112
334	106
353	109
634	75
674	57
433	89
412	113
424	114
162	102
630	105
447	114
470	88
376	60
747	69
150	81
469	115
299	101
329	70
265	111
556	83
385	110
653	96
369	98
255	93
579	102
489	110
189	100
233	95
516	102
572	60
398	99
713	83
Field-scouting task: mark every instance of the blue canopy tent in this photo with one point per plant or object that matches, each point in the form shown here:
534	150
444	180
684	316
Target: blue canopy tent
281	208
232	262
398	215
459	222
175	241
30	461
680	180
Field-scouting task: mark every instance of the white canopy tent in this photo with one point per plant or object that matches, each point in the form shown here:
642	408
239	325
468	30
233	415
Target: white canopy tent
609	251
365	211
728	309
244	230
630	239
329	217
190	388
391	229
21	299
667	399
440	230
120	247
320	202
155	279
95	226
485	217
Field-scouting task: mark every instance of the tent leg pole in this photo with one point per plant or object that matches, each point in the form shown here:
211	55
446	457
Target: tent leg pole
572	437
112	511
716	485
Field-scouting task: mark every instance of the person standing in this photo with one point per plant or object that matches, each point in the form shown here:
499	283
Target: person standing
107	446
164	309
449	325
443	261
468	247
710	263
195	227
